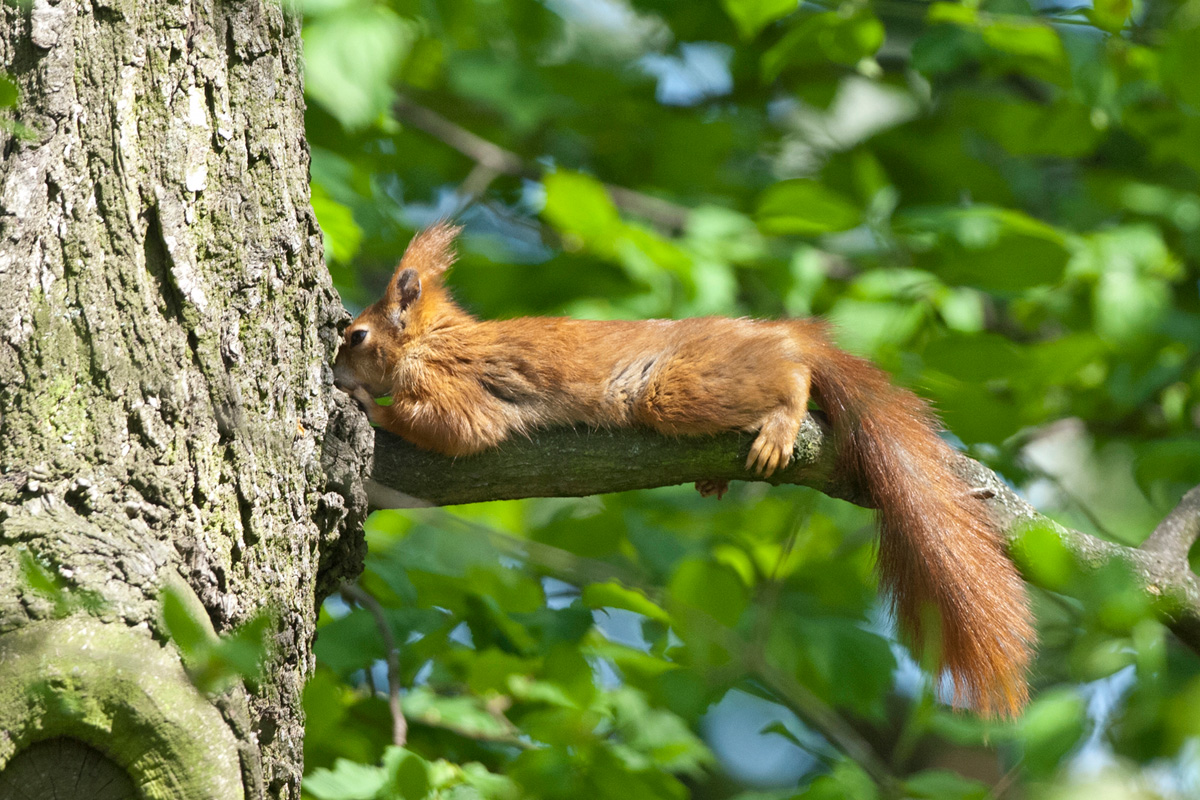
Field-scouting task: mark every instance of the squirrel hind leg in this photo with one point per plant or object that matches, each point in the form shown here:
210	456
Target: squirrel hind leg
778	428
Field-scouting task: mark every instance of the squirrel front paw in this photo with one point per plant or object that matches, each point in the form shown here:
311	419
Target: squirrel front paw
361	396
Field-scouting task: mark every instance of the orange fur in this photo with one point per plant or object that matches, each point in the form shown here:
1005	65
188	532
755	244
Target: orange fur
460	385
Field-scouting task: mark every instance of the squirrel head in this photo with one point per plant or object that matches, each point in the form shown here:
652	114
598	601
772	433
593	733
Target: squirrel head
373	343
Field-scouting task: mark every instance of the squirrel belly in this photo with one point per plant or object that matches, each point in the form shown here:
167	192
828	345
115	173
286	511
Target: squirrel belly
460	385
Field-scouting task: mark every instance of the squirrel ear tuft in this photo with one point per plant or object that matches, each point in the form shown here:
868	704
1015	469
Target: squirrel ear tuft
431	252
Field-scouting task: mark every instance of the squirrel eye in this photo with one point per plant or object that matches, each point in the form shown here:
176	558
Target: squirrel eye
356	337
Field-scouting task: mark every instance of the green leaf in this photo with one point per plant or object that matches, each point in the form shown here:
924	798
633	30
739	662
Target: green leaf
805	207
981	357
596	535
1111	15
579	204
186	624
341	234
839	660
830	35
657	734
464	715
869	327
712	588
938	784
8	92
1023	128
1024	45
1181	58
346	781
351	59
723	234
1040	552
243	650
1052	726
490	670
1034	40
991	248
977	412
408	775
961	14
847	781
566	668
1129	307
752	16
1169	460
349	643
613	595
942	49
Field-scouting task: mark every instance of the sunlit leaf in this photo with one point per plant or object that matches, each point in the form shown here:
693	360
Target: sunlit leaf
831	35
346	781
1111	14
350	58
752	16
805	207
342	235
579	205
945	785
599	595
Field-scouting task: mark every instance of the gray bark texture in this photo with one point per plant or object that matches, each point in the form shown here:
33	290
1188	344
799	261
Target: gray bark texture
166	330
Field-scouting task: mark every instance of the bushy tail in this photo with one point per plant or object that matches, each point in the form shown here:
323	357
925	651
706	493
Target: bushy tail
938	547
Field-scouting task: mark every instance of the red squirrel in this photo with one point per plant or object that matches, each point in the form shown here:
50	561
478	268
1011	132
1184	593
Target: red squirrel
459	385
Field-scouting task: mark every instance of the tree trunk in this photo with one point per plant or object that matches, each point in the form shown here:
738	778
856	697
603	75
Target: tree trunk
166	326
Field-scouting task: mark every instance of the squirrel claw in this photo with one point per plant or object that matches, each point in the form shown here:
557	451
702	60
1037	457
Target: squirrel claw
766	455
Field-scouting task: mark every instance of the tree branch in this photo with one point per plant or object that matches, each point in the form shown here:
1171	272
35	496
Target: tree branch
399	724
568	462
1176	534
493	159
572	462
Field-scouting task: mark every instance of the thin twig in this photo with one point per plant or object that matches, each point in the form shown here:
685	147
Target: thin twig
364	599
499	161
1007	780
1075	500
1176	534
476	148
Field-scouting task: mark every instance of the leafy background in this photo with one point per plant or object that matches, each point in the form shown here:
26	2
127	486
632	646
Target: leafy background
997	202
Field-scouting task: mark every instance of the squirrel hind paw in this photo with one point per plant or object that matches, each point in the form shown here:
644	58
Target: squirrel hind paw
712	486
772	448
766	456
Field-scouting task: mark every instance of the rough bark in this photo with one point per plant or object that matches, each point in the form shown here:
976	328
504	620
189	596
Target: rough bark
166	325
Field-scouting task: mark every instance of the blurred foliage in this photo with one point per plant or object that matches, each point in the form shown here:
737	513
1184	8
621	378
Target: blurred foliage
997	202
